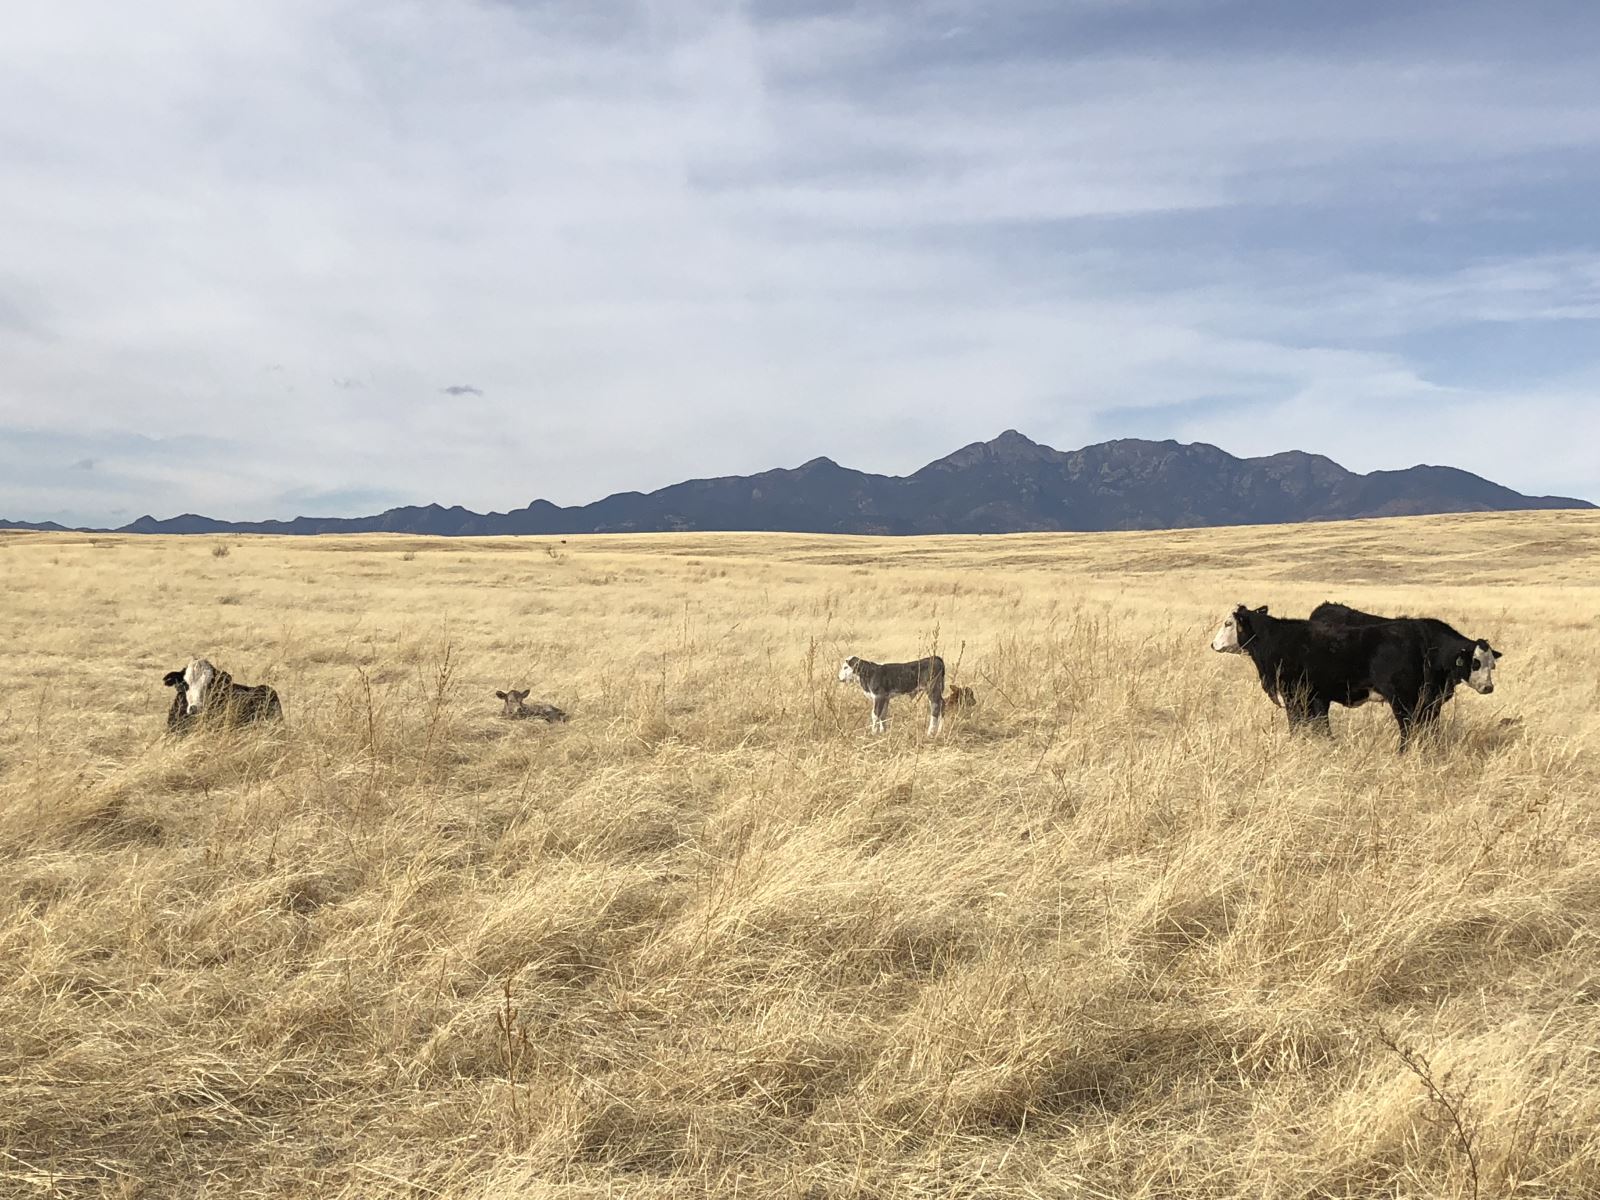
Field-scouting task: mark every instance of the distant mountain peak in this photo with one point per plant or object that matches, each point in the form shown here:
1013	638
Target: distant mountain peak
1011	437
1010	483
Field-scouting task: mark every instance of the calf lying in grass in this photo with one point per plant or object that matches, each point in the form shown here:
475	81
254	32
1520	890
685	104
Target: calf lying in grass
203	694
518	709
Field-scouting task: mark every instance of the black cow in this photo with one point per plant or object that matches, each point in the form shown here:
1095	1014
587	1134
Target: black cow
1462	659
880	681
1307	667
205	694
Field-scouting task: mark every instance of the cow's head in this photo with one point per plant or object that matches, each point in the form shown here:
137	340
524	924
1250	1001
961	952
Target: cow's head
513	701
197	678
1236	630
847	669
1477	666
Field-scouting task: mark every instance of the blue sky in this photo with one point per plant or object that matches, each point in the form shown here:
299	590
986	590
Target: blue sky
322	257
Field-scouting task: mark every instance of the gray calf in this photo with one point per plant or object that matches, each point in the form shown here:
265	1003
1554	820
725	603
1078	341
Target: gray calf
880	681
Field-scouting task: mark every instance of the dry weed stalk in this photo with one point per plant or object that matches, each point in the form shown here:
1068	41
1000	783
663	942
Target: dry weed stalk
1450	1106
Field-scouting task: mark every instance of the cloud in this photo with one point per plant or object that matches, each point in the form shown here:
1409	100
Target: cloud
716	238
84	464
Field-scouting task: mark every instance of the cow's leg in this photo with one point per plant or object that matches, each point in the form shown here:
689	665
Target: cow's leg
880	713
1430	704
1317	716
1403	718
1297	707
1427	714
935	712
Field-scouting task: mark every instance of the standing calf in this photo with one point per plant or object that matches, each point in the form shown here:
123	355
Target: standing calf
880	681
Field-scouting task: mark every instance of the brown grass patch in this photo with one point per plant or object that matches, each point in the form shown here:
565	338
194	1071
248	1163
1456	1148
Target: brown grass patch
1114	935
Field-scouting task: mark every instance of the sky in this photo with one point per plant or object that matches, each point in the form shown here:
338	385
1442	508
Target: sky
318	257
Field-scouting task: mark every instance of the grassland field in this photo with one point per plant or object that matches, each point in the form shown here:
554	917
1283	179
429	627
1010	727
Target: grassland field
1113	934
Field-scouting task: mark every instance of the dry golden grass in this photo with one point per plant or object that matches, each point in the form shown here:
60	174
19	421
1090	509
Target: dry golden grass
1113	935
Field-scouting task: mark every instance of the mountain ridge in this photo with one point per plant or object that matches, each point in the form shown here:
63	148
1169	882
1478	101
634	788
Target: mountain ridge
1009	484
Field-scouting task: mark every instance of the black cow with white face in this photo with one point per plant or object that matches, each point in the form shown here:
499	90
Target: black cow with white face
1306	666
1462	659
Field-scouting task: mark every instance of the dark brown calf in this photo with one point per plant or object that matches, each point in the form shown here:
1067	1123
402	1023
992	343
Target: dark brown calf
518	709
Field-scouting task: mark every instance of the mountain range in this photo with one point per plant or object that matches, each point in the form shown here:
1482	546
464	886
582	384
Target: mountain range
1008	485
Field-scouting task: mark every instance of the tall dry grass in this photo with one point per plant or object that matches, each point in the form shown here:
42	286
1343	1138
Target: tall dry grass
1113	935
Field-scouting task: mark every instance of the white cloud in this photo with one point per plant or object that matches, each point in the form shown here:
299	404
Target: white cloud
668	240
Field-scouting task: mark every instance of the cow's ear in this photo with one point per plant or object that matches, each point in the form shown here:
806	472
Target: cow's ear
1262	609
522	695
499	695
172	678
1496	653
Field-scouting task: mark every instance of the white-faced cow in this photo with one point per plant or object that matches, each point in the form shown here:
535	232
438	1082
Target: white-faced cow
204	694
880	681
1306	667
1463	660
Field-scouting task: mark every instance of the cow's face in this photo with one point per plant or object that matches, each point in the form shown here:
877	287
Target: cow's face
1234	633
1478	663
513	701
197	677
847	669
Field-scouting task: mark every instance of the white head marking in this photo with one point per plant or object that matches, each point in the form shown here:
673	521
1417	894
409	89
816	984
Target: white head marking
1480	662
846	672
1226	639
197	677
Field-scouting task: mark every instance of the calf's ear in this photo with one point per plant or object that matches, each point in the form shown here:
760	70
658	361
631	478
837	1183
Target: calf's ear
519	697
1262	609
172	678
1496	653
499	695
